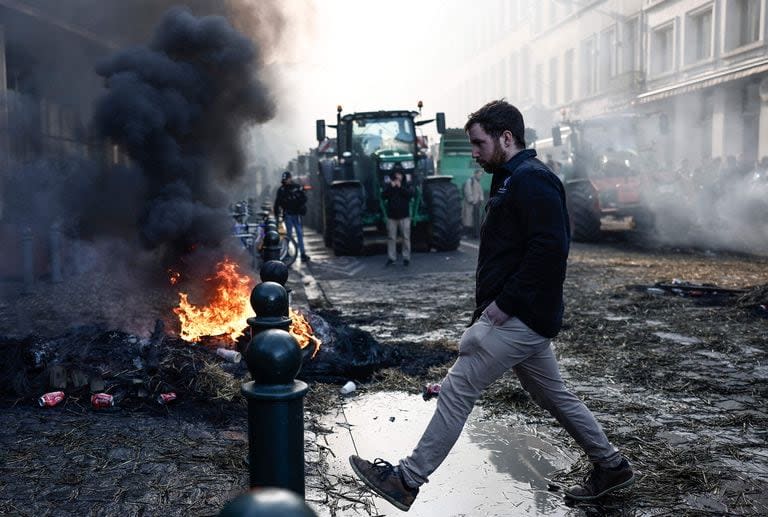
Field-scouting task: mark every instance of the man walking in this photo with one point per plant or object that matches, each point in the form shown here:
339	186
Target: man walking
397	193
292	200
521	266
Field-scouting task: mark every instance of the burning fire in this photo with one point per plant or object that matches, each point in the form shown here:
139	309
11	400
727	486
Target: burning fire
302	331
229	309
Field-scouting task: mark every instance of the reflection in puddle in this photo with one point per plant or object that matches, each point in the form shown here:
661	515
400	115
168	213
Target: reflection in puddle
498	467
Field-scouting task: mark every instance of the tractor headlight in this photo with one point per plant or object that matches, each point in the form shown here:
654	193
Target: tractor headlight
408	164
387	166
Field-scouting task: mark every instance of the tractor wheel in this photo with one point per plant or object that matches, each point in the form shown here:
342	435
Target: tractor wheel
347	227
585	219
326	221
444	207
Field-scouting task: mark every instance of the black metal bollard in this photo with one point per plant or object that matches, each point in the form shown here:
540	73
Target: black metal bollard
271	248
275	397
270	502
274	271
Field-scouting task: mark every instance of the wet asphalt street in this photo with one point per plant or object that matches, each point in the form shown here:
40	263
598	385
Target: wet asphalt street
675	382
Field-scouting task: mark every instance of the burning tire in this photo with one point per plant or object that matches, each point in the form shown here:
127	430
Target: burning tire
347	206
444	208
584	212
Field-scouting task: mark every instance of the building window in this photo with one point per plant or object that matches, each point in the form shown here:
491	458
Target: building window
514	77
662	49
525	78
552	13
608	55
589	66
698	36
568	75
539	80
503	77
553	81
629	45
742	23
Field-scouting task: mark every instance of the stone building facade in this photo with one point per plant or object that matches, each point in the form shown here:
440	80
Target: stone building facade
695	70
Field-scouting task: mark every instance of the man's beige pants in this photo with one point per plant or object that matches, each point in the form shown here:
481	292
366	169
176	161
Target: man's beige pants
487	351
405	230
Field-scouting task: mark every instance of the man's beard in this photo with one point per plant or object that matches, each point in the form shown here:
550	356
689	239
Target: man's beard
497	160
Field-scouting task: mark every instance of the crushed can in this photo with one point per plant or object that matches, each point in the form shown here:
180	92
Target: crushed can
233	356
51	399
166	398
102	400
430	391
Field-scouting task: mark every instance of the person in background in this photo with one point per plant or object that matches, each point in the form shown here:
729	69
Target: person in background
397	194
292	202
521	265
473	199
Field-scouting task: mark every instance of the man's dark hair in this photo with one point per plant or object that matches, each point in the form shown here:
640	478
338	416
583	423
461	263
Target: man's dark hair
497	117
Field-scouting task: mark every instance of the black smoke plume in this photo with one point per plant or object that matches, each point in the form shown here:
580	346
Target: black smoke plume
178	106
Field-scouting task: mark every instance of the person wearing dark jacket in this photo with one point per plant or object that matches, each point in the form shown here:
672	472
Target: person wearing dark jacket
292	201
397	194
524	241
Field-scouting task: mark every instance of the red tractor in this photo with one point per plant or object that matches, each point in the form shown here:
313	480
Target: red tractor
603	172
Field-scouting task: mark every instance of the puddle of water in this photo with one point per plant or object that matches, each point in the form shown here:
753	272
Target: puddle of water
498	467
677	338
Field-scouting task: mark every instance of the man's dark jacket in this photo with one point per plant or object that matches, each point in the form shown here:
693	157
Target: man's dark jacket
397	200
292	199
524	242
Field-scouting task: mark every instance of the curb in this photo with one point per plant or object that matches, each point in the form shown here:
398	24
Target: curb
307	292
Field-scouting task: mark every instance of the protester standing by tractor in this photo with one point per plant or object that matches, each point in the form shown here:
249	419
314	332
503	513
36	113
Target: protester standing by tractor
524	243
292	201
472	203
397	195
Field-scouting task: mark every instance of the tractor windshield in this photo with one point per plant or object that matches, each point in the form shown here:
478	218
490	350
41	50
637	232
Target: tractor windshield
371	134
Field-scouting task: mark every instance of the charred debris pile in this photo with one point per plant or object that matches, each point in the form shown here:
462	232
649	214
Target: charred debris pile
152	372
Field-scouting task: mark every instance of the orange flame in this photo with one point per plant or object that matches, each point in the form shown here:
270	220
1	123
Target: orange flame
227	311
302	331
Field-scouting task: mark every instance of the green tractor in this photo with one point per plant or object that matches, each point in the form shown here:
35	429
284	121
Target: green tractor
454	159
349	185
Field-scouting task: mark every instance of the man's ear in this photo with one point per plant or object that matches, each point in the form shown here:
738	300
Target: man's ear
507	139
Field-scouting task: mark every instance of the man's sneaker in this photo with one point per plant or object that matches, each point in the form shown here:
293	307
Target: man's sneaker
305	258
389	262
406	262
602	481
384	478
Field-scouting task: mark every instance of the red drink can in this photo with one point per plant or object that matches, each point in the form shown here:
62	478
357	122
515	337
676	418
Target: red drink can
51	399
430	391
165	398
102	400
